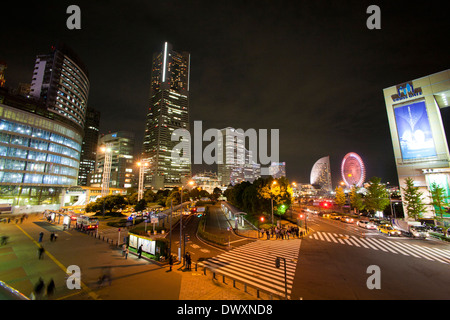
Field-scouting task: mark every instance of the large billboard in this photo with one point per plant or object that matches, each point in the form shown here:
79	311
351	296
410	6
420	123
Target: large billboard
414	131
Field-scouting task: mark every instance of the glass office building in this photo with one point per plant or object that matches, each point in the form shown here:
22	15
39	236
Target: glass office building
168	111
39	152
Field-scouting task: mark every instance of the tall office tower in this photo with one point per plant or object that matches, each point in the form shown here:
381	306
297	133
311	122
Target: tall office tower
90	146
237	163
120	145
3	67
61	81
321	175
277	169
168	111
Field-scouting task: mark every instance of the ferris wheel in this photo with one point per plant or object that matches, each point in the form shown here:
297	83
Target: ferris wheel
353	170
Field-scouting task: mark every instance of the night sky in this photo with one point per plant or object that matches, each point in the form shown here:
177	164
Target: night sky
309	68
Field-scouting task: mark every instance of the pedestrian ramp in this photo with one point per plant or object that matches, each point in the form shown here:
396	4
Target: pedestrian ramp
254	264
394	246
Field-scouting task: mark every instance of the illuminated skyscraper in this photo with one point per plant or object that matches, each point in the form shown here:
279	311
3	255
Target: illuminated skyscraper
61	81
168	111
321	174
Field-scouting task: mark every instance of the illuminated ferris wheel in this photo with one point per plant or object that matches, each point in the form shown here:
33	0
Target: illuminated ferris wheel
353	170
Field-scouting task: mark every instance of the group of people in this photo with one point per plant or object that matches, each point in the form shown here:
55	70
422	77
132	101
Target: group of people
282	232
41	290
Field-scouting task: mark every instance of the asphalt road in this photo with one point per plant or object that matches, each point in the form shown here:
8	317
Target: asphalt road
336	258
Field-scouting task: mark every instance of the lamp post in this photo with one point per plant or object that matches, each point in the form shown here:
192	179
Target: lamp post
106	168
271	196
180	253
142	166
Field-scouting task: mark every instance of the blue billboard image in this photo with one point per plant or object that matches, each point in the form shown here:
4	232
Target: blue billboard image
414	131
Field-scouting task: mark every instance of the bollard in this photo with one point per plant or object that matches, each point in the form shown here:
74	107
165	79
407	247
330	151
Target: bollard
234	283
223	279
245	287
214	275
204	271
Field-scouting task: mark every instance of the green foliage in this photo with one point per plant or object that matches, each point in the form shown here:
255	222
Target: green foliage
256	198
340	197
413	200
438	198
356	199
377	197
108	203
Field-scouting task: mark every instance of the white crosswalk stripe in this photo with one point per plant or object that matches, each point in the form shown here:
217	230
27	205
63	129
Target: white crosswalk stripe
388	246
254	264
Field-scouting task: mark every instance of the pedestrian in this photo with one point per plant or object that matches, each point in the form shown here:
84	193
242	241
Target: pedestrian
52	236
39	288
4	240
41	235
124	248
55	236
188	261
140	251
126	253
41	251
50	289
170	262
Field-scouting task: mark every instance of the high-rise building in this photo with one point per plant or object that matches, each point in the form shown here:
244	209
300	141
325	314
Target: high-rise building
168	111
3	68
39	152
90	146
277	169
321	175
61	81
415	111
237	163
121	147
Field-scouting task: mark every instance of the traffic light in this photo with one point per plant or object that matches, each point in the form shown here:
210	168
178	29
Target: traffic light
261	219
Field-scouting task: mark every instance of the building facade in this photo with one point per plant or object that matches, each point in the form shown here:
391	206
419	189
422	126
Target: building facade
418	133
321	175
168	111
122	167
277	169
61	80
236	163
90	146
39	152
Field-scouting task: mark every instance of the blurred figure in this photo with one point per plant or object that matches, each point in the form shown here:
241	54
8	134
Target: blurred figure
50	289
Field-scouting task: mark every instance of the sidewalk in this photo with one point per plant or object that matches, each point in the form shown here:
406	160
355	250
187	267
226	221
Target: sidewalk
21	269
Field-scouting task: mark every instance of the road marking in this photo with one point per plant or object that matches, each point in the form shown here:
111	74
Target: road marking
93	295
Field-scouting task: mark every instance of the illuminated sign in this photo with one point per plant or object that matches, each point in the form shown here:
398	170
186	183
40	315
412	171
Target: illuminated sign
414	131
406	90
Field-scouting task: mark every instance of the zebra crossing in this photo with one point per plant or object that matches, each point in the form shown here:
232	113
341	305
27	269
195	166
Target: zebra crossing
254	264
389	246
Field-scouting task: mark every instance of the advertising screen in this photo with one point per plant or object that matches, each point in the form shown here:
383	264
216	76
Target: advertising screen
414	131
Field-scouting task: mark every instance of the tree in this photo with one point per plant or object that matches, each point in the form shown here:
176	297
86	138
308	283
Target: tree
340	197
280	191
413	200
438	198
356	199
377	198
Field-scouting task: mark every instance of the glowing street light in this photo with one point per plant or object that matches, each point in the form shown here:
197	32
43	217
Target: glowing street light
271	196
106	168
142	166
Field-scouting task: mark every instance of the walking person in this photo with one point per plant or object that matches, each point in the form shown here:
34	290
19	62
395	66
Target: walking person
41	235
41	251
126	253
39	288
170	262
4	240
140	251
124	248
50	289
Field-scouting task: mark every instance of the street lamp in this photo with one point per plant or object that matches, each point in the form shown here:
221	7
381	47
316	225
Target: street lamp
180	254
271	196
106	168
142	166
